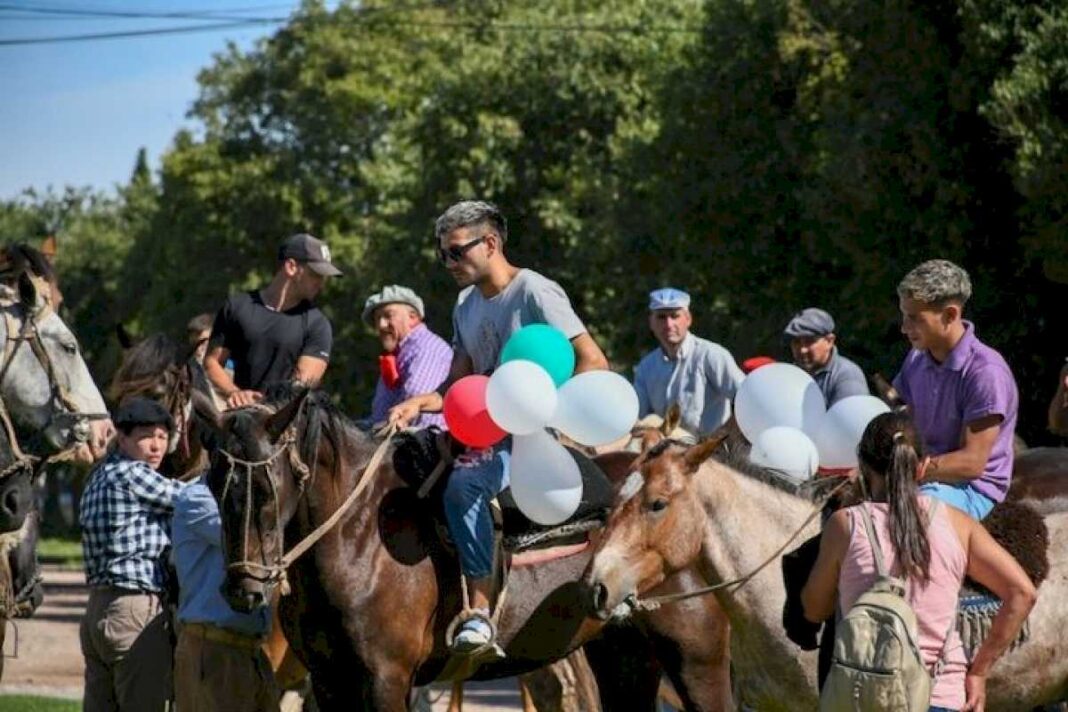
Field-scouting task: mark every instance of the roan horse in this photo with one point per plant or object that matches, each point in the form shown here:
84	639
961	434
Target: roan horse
50	409
371	600
685	510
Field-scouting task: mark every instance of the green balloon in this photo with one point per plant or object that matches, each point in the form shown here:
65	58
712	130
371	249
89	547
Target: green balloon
545	346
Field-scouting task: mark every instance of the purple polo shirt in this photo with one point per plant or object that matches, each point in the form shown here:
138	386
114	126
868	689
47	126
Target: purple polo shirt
972	383
423	361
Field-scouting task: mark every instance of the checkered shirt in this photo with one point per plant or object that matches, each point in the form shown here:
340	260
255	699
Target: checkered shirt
125	517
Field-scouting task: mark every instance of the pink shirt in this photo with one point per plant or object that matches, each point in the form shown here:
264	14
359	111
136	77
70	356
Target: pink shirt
935	602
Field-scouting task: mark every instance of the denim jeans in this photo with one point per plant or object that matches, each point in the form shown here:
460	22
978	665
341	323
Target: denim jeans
477	477
962	496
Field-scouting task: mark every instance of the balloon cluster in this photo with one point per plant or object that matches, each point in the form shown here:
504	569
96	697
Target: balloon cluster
781	411
532	389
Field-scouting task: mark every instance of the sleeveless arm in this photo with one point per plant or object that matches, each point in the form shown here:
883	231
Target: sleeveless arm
820	593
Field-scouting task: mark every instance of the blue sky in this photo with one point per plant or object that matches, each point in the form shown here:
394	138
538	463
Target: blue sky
75	113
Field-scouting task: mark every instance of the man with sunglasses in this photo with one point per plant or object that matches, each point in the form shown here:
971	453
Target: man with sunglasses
497	299
276	333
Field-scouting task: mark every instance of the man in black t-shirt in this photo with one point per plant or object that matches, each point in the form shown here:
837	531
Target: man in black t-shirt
275	333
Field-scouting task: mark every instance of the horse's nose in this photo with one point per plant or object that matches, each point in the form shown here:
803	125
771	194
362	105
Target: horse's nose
253	600
12	508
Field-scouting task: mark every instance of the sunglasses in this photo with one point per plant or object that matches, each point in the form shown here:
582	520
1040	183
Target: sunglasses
457	252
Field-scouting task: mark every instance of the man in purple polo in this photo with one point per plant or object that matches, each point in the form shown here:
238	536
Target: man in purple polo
961	392
415	359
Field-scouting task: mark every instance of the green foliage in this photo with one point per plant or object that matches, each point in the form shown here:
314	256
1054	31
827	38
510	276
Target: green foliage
764	154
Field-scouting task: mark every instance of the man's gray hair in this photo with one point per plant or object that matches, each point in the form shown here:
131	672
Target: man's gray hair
471	212
936	282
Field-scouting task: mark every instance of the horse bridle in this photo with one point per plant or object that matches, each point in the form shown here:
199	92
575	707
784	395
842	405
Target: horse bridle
28	332
275	573
272	573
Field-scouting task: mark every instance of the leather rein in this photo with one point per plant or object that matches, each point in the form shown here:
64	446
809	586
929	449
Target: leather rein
275	573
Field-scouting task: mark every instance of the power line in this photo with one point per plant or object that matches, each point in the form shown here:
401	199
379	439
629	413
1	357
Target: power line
184	29
372	22
208	14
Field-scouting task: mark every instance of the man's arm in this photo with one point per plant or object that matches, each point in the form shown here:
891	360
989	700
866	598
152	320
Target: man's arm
196	507
215	368
588	355
722	371
309	370
969	462
645	406
406	411
152	488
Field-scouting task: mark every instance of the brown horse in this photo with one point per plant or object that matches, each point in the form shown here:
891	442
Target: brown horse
157	368
371	600
685	510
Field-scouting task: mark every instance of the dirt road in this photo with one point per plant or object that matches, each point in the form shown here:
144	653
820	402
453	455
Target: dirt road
49	661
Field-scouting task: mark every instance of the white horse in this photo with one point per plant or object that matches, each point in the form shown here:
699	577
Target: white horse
49	405
681	510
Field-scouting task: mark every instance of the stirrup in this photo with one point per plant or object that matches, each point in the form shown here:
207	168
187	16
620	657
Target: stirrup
489	650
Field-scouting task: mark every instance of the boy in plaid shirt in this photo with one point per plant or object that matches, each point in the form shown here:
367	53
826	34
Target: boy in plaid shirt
125	518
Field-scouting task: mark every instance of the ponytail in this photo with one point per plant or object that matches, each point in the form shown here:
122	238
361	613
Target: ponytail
891	448
908	525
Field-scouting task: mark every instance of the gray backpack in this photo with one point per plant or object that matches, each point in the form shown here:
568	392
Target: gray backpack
877	664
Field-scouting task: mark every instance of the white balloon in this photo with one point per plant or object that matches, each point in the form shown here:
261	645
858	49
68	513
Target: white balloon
596	408
787	450
545	479
521	397
840	430
778	394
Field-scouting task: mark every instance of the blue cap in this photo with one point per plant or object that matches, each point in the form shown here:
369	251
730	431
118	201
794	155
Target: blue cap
668	298
809	322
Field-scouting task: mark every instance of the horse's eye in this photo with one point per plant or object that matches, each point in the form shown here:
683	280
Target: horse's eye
70	347
658	505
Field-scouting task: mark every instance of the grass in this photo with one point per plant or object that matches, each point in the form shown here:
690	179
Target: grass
61	551
32	703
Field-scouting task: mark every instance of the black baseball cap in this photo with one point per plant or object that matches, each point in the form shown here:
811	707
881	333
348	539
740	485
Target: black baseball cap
311	251
142	411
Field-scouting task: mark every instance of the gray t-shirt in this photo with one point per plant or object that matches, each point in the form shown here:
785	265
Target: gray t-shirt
481	327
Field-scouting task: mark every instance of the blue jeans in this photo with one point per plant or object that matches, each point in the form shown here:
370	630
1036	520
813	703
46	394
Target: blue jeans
940	709
477	477
962	496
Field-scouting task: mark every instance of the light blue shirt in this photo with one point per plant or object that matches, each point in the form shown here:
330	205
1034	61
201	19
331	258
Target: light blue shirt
702	379
198	556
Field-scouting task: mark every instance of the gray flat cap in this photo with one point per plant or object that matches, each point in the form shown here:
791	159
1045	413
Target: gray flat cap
809	322
392	294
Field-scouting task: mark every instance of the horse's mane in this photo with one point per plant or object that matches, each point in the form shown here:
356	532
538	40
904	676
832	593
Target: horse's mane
144	367
320	417
735	455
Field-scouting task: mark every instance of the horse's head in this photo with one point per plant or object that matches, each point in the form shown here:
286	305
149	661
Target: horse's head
654	429
258	475
655	529
49	398
154	368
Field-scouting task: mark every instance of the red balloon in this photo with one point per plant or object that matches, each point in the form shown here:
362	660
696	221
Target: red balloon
466	414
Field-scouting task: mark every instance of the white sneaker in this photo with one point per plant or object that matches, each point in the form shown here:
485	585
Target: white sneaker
473	634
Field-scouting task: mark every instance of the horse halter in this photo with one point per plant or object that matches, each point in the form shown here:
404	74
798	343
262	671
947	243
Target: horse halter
29	332
275	572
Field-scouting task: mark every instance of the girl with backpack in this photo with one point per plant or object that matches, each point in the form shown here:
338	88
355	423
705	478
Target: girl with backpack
926	549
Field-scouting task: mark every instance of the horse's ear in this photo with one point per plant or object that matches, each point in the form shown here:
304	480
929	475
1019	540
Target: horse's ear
696	454
124	337
672	418
49	248
277	423
205	410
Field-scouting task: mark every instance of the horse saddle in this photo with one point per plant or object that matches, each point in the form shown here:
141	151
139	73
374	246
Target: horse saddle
423	458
